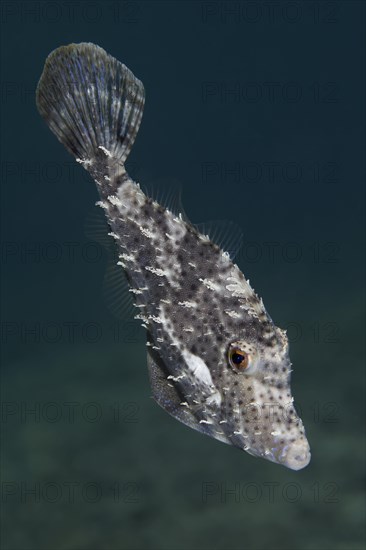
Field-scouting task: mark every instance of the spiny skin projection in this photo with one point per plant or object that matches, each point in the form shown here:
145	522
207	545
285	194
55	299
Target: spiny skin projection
216	361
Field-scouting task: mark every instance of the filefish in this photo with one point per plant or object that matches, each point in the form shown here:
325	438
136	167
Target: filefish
216	360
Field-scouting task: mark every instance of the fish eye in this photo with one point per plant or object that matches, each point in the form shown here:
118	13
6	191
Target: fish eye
239	359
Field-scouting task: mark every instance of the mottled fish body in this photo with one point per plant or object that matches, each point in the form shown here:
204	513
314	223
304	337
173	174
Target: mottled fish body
216	360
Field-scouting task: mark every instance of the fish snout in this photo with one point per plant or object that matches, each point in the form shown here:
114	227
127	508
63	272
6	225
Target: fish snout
296	455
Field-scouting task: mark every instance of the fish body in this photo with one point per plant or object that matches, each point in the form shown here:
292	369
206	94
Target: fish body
216	360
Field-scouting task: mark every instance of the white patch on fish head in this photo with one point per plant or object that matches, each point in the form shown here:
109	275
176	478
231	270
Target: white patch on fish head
192	366
202	374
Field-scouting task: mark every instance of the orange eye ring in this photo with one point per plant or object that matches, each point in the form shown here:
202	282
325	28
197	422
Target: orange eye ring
239	359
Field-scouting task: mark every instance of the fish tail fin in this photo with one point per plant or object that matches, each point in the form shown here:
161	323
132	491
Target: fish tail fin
92	103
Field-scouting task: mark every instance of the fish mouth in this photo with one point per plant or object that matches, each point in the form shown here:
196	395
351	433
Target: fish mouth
295	456
298	456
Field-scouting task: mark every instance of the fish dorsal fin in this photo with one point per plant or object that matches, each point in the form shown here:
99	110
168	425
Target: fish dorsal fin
116	293
226	234
168	193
